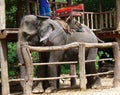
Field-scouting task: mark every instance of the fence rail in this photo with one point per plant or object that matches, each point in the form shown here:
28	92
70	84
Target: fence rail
81	60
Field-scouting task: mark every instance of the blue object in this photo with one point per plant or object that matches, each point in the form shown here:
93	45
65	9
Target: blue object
44	8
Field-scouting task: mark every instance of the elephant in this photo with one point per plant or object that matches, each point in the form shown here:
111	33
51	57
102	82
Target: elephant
39	30
28	32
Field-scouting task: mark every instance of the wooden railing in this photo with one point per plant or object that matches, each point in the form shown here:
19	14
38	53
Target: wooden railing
56	5
98	21
81	60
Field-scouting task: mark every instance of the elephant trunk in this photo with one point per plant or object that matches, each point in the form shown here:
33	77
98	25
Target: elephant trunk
20	54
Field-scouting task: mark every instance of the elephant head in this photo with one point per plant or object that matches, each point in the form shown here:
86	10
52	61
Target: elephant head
51	32
28	32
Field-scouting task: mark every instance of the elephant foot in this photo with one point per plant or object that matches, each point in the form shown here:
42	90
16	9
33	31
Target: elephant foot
50	89
94	82
97	84
38	89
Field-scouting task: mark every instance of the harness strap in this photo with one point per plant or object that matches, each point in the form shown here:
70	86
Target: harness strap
63	24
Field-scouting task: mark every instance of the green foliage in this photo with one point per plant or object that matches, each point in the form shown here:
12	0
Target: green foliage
11	10
65	69
93	5
100	54
12	60
12	54
35	56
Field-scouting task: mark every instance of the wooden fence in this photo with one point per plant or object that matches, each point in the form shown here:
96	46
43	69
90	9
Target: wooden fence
56	5
81	60
98	21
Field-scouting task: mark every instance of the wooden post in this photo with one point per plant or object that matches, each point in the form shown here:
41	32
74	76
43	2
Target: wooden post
4	67
118	13
27	7
118	18
2	15
19	12
81	61
69	2
73	72
29	71
117	51
101	15
3	52
116	81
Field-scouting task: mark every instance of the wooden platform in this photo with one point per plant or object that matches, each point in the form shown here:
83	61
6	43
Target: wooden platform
108	34
11	34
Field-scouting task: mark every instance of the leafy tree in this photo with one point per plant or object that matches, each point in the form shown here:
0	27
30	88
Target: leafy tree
12	60
11	9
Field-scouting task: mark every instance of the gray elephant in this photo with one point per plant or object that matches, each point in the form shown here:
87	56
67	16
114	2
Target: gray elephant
37	30
28	32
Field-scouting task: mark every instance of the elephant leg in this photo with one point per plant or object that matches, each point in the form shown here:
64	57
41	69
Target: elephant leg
53	83
22	74
41	72
38	86
92	81
54	71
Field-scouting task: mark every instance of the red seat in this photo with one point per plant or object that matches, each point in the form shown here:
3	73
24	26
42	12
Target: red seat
71	10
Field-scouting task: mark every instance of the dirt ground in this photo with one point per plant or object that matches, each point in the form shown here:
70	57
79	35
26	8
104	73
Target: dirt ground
65	89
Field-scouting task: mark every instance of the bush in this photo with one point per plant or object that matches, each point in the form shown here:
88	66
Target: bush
12	60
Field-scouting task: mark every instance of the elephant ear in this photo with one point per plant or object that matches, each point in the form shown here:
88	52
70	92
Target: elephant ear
48	33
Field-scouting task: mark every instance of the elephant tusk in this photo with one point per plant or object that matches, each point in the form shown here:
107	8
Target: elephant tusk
46	35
